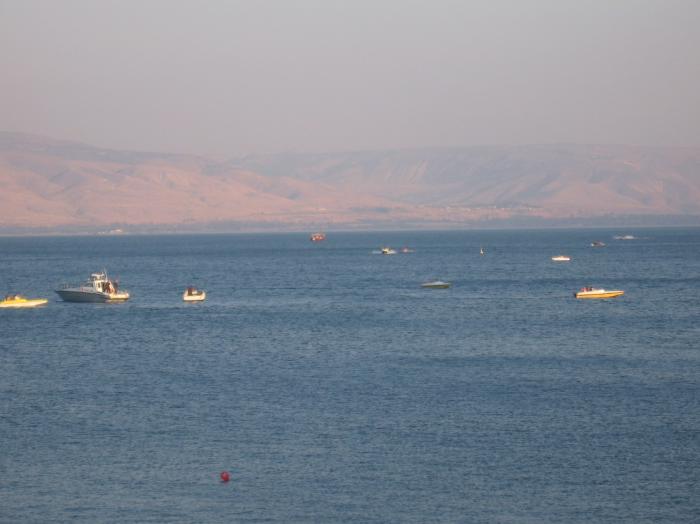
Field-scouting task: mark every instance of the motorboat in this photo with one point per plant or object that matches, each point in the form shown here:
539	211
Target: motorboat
193	294
561	258
624	237
100	288
597	243
388	251
591	292
17	301
436	284
481	251
318	237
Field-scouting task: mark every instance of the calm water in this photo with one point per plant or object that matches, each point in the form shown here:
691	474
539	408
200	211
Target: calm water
334	388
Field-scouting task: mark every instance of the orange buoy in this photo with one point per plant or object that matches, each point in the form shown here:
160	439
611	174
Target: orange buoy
225	477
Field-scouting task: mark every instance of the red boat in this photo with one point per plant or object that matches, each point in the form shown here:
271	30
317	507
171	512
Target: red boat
318	237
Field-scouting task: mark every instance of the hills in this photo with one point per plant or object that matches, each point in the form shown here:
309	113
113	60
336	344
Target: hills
49	185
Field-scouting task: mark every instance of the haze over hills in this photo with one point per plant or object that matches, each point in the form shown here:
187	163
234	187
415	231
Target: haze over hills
57	185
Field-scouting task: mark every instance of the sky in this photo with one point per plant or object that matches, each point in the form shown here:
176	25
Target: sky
230	78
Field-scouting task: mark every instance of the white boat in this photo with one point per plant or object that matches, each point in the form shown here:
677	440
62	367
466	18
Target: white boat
597	243
436	284
624	237
388	251
481	251
193	294
561	258
18	301
591	292
98	289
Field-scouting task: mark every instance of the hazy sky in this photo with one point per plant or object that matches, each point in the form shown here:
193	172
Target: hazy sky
227	78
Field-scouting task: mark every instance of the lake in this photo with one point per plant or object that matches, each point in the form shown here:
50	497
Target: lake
334	388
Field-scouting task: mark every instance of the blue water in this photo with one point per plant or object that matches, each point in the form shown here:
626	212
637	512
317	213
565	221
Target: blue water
335	389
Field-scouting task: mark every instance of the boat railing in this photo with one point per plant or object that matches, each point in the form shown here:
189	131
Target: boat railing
82	286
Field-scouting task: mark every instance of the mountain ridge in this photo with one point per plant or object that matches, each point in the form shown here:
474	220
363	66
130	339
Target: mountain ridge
48	183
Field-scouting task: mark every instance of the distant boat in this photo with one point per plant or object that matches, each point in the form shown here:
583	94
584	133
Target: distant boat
98	289
624	237
561	258
597	243
193	294
436	284
591	292
17	301
481	250
388	251
318	237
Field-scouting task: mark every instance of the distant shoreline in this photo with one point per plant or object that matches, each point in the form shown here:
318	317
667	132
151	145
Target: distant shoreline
166	230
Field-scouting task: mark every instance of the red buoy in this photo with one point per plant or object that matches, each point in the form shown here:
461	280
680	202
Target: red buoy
225	477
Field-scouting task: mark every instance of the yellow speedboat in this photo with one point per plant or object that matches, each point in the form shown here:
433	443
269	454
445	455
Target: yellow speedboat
20	301
591	292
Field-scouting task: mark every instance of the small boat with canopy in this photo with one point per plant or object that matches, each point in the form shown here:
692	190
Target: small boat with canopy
192	294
